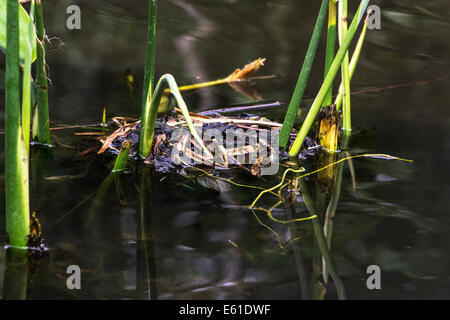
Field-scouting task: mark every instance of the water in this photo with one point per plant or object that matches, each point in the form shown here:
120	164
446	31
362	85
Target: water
177	240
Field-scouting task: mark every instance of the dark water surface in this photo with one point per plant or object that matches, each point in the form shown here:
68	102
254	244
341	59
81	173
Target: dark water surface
176	240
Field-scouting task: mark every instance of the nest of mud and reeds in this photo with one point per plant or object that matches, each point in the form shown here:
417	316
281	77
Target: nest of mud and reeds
245	141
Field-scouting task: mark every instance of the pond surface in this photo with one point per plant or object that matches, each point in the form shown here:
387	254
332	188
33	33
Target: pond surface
176	238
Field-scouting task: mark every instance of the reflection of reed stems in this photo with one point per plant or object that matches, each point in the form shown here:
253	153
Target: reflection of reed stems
330	213
145	245
321	240
334	201
289	205
16	274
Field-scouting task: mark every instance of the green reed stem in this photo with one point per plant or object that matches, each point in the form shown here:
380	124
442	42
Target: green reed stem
331	46
289	119
309	120
149	73
27	81
16	156
41	128
343	26
352	67
149	119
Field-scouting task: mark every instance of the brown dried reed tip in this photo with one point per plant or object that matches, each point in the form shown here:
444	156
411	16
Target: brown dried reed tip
247	71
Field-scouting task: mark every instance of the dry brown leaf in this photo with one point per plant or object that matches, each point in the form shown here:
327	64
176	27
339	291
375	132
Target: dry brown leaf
247	71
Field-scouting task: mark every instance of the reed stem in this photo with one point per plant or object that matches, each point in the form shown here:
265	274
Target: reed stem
26	82
41	127
331	46
343	26
149	75
309	120
149	119
16	157
291	114
352	67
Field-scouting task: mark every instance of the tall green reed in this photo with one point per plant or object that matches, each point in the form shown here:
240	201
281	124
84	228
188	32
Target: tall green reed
27	82
149	75
152	98
291	114
343	26
307	123
16	155
331	46
41	123
352	66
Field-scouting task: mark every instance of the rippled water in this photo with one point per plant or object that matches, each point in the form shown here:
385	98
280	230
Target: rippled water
183	240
